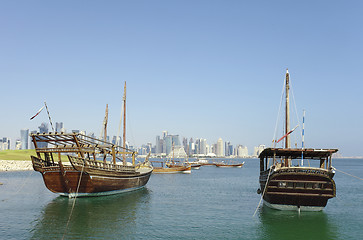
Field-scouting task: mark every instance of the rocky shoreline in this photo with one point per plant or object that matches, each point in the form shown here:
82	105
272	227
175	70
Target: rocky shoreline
15	165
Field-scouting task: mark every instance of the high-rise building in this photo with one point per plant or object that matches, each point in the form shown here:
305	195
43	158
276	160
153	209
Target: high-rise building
58	126
203	146
162	146
176	140
191	147
197	146
258	150
157	144
4	143
24	137
220	148
31	142
241	151
43	128
207	149
17	144
185	145
228	148
168	144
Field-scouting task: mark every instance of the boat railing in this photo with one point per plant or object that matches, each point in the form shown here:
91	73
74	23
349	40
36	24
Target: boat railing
308	170
98	165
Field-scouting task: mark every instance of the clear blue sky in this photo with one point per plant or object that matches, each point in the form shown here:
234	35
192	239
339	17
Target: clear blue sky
201	69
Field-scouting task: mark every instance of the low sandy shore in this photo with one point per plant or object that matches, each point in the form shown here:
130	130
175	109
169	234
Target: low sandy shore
12	165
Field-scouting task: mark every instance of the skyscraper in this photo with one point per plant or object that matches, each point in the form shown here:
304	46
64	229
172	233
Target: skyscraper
43	128
242	151
24	136
176	140
203	146
157	144
191	147
4	143
185	145
168	144
58	126
228	149
220	148
31	142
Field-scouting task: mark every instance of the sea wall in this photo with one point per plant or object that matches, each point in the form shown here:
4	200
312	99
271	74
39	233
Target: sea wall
12	165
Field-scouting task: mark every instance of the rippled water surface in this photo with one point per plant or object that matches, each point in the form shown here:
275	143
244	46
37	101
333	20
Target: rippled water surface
210	203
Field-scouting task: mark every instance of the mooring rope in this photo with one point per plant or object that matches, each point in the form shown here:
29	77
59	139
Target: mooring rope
74	202
349	174
264	190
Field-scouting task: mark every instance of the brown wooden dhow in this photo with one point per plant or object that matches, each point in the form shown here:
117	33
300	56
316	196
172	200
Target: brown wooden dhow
229	165
94	169
162	167
286	183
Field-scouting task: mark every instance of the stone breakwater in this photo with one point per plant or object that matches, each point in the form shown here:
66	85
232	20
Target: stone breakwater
12	165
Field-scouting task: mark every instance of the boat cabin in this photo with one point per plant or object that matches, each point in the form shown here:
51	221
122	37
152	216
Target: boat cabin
282	157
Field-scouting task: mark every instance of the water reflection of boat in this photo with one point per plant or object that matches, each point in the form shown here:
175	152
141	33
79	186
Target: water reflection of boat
106	217
292	225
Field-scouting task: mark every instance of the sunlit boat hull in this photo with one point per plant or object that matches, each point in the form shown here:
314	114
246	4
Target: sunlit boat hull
298	188
71	182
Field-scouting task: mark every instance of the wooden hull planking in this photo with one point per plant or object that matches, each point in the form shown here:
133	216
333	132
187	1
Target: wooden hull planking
291	189
229	165
181	169
65	182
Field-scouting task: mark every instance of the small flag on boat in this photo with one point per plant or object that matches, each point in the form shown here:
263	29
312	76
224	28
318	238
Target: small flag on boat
37	113
286	134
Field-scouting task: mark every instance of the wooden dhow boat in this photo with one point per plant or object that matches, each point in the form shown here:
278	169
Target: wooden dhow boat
93	170
286	183
229	165
162	167
172	165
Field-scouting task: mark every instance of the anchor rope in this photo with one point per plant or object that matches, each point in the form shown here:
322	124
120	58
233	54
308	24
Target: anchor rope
264	190
74	202
349	174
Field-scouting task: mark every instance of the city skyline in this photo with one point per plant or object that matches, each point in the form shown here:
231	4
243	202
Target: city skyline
168	142
200	68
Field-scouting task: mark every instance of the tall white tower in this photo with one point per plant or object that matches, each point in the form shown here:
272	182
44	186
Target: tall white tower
220	148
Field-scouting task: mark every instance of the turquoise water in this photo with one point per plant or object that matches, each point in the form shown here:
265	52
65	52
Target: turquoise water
210	203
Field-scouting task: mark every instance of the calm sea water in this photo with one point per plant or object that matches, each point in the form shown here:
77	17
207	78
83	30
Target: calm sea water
210	203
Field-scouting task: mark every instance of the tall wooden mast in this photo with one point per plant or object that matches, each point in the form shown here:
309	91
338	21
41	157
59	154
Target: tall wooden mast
124	132
287	110
104	127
